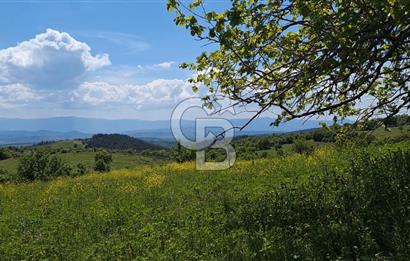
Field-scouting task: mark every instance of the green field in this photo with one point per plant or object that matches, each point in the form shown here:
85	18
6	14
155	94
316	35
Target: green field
381	134
318	206
74	153
120	160
330	201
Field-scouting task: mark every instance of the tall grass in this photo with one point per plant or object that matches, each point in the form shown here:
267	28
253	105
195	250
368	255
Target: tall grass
327	205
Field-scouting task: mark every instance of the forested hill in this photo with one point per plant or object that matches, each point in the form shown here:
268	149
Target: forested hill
119	142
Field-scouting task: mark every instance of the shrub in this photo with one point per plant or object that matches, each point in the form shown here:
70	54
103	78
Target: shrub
4	176
4	154
264	144
280	152
64	150
181	154
354	138
42	166
81	169
323	135
302	147
103	160
56	167
264	154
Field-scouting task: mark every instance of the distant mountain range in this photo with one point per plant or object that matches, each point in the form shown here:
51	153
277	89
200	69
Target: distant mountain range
23	138
29	131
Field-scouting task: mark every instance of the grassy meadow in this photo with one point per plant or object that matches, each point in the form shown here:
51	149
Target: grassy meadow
73	152
331	204
121	160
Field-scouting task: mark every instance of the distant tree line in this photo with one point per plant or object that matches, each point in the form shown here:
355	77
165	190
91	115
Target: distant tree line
396	121
41	165
119	142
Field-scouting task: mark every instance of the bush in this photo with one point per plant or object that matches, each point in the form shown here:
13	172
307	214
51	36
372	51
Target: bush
4	176
103	160
81	169
42	166
354	138
263	144
181	154
302	147
323	135
280	152
4	154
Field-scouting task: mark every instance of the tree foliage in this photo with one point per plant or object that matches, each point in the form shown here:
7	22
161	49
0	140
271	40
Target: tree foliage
119	142
103	160
4	154
41	166
4	176
304	58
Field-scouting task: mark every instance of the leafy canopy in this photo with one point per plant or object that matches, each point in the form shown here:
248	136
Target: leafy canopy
103	160
40	165
305	58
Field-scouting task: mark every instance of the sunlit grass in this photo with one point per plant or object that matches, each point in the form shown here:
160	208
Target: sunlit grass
154	212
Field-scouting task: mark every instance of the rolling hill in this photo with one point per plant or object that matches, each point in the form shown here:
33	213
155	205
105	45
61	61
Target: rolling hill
119	142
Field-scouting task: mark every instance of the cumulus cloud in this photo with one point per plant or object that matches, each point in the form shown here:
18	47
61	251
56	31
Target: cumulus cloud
17	94
159	92
51	60
55	72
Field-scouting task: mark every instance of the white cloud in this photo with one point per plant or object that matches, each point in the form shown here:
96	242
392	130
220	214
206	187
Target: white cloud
164	65
96	93
51	60
53	72
17	94
159	92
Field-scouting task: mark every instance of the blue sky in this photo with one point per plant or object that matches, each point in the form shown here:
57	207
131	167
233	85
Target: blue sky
92	59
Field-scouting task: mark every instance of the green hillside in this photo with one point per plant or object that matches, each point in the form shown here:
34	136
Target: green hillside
317	206
247	148
75	152
119	142
287	197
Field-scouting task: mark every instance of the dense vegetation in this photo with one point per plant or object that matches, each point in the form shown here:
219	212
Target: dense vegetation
119	142
41	166
308	207
103	160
